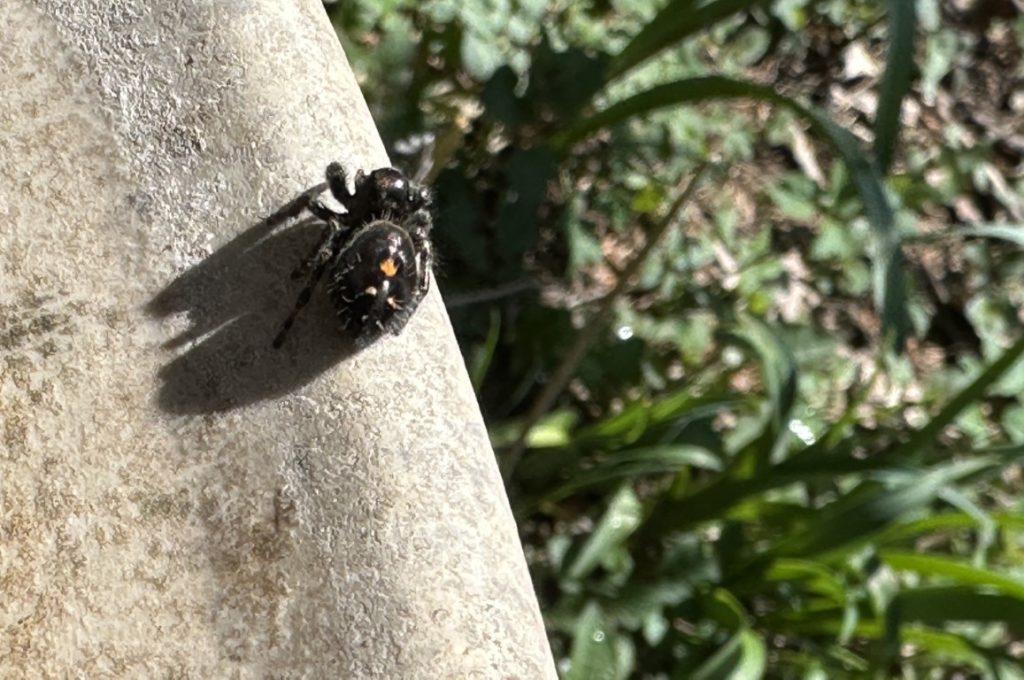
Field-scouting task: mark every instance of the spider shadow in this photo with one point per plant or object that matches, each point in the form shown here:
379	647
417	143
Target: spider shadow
236	300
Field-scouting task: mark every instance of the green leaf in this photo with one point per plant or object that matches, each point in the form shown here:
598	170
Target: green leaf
482	354
945	521
478	55
635	604
899	67
584	247
937	606
618	523
634	463
869	508
1014	233
794	196
743	657
947	647
778	369
816	462
814	576
636	419
552	430
957	570
722	607
592	653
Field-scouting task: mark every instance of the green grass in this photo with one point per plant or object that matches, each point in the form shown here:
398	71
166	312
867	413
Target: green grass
785	439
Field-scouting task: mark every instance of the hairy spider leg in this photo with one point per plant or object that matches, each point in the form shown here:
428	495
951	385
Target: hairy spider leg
418	227
295	206
332	222
333	240
320	250
322	212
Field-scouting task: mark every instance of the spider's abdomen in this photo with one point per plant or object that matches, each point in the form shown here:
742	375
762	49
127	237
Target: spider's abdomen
376	253
374	282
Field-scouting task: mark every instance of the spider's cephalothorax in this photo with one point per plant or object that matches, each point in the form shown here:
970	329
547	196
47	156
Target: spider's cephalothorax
377	253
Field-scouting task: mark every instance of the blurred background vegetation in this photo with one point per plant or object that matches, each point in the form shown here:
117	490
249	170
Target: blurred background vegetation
740	288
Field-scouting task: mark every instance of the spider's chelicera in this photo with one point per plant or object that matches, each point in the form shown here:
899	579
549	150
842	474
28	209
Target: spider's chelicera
376	254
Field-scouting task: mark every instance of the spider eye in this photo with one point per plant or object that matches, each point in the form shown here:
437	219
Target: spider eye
396	192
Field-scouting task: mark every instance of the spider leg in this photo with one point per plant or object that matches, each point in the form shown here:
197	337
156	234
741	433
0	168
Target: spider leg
334	236
418	226
320	251
424	265
295	206
321	211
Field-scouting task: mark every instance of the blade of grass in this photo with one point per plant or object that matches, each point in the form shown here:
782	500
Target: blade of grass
678	20
870	508
938	605
1000	231
948	647
812	575
626	427
632	464
959	571
899	67
778	369
743	657
1014	233
967	396
813	464
482	356
945	521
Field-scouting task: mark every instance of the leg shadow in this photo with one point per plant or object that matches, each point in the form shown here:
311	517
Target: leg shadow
236	300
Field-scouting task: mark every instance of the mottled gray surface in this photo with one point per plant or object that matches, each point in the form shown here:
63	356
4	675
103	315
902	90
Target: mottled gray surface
176	498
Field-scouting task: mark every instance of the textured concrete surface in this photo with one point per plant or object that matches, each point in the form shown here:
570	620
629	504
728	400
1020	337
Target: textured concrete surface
177	499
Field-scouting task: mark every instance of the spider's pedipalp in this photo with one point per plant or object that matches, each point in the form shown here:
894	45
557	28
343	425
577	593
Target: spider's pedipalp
322	212
337	180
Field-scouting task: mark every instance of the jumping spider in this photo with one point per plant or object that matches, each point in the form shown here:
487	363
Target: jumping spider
377	253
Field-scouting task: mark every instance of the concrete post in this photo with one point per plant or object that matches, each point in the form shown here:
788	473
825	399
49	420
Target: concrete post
178	499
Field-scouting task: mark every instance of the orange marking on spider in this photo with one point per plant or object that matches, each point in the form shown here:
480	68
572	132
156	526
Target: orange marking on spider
389	267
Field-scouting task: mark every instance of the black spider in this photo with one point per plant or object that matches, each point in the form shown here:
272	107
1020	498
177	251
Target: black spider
378	252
